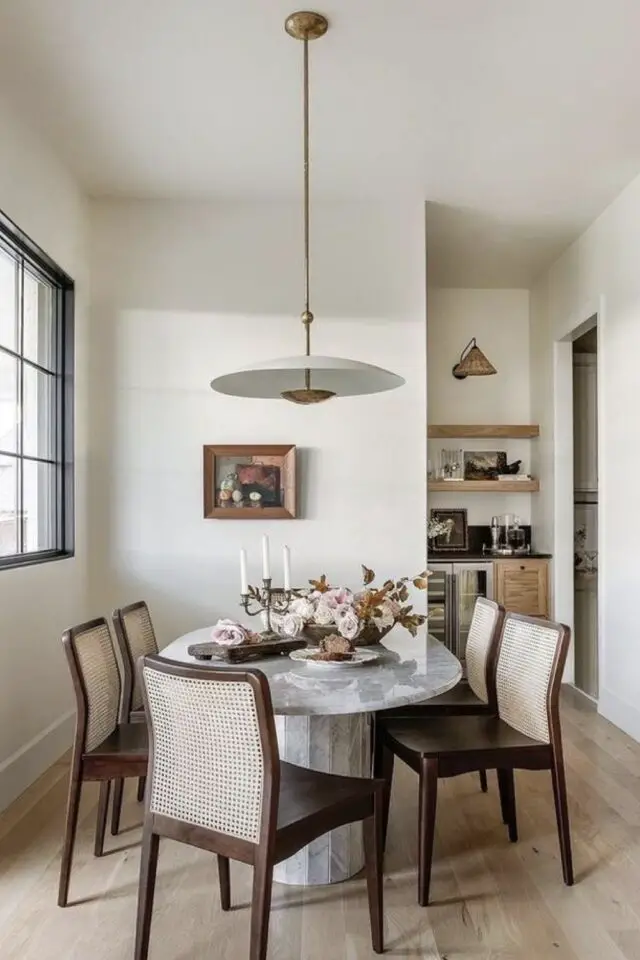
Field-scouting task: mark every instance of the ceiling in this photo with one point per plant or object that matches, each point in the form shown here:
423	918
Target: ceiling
519	120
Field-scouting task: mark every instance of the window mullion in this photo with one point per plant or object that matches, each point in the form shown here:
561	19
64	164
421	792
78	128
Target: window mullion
20	438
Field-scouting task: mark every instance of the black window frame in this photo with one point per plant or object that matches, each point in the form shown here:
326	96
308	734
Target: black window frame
28	254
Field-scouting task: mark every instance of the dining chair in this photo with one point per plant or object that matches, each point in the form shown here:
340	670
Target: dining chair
524	735
473	695
216	781
103	749
136	638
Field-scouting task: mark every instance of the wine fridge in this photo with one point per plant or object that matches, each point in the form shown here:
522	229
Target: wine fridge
452	594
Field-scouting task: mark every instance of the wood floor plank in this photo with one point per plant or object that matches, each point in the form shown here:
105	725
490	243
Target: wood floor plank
492	900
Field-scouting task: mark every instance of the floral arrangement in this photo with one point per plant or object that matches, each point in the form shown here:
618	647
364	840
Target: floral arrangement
439	528
366	613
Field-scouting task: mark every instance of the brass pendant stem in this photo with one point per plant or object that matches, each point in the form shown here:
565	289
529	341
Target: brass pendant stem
306	175
306	26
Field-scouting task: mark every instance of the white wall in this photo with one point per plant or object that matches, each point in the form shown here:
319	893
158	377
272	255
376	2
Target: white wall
499	320
184	292
38	602
600	273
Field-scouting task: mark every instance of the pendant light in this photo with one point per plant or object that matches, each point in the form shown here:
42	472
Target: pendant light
307	378
473	363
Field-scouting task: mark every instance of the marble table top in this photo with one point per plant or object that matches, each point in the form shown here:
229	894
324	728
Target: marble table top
411	669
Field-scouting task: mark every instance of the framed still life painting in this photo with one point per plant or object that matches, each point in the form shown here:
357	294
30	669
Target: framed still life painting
249	482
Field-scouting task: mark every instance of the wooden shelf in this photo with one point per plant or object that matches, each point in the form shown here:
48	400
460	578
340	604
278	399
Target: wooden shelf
484	486
515	431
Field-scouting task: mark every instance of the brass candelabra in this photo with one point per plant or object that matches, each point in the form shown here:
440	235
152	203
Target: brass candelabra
265	599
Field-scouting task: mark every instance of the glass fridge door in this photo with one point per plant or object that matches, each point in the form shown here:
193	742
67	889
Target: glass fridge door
438	602
471	581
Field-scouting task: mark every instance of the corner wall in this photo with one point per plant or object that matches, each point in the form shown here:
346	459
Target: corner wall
38	602
600	272
184	292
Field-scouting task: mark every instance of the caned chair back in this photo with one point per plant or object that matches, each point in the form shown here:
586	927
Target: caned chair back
531	658
482	643
96	680
213	750
136	638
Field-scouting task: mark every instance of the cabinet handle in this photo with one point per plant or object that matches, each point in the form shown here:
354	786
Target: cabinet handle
522	566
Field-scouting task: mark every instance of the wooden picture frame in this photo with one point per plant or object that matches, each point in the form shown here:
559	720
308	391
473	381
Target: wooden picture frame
458	540
249	481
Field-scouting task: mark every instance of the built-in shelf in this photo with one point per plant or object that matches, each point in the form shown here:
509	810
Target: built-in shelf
515	431
484	486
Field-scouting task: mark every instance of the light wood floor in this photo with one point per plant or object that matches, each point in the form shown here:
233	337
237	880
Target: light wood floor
492	900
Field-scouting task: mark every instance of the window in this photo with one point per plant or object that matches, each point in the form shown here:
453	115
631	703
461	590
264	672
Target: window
36	403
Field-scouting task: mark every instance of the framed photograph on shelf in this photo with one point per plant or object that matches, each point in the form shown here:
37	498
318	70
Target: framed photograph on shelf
249	482
484	464
458	538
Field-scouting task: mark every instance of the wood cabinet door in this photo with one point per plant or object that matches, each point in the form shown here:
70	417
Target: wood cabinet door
522	586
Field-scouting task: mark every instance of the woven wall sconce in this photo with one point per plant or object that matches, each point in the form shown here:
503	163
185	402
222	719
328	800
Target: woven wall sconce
473	363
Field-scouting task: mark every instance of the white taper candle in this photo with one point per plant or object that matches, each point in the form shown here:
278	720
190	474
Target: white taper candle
244	583
266	567
286	559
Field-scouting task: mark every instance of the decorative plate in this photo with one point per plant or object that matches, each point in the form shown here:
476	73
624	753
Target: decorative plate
360	658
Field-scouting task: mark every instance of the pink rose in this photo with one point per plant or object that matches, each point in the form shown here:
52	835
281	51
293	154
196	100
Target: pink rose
229	633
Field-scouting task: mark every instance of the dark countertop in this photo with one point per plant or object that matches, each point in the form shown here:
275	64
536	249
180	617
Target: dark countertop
461	556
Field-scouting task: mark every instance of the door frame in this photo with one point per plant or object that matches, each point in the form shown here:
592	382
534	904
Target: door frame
593	313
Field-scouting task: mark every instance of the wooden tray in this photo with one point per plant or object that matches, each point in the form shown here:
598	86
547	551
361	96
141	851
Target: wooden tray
245	651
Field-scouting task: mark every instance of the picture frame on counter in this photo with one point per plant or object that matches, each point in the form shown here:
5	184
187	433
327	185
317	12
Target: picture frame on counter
458	538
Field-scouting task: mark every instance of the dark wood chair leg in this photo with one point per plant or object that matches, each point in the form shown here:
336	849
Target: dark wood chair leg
383	770
484	786
146	889
562	817
260	908
101	820
372	835
73	806
507	789
142	783
427	822
116	807
224	878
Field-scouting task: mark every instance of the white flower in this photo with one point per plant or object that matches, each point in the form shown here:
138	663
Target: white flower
229	633
302	608
341	610
291	625
386	617
323	615
349	625
337	597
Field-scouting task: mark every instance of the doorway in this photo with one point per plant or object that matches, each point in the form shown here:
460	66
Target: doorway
585	508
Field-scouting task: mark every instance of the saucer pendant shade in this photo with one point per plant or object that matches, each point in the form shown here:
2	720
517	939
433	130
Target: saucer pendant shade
473	363
306	379
335	375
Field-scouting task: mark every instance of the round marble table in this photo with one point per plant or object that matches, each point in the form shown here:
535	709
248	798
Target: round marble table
322	722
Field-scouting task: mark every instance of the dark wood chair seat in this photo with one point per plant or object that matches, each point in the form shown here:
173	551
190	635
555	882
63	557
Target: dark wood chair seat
129	743
316	802
460	699
472	736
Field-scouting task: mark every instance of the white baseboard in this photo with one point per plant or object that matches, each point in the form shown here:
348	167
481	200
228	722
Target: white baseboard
28	763
620	713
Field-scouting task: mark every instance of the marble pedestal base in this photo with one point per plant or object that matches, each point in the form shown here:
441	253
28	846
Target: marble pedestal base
333	744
